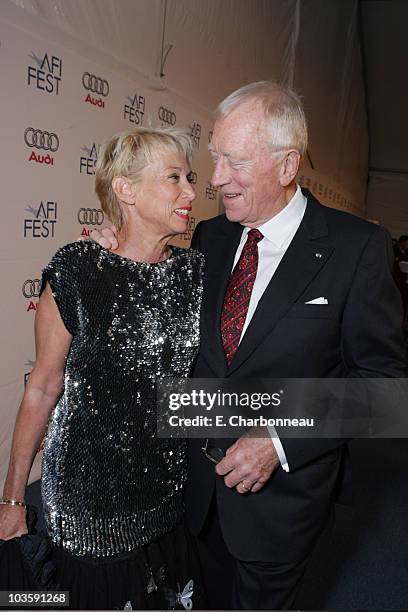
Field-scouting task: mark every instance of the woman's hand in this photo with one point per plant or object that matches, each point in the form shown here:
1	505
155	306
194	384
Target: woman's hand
12	522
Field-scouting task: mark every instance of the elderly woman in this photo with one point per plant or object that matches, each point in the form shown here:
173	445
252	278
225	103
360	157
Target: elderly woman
108	325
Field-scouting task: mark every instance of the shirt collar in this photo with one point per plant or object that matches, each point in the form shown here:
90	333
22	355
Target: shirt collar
285	223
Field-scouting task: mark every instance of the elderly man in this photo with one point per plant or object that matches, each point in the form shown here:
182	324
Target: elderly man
292	289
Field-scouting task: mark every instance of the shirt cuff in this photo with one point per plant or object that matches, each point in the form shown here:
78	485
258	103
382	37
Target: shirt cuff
279	448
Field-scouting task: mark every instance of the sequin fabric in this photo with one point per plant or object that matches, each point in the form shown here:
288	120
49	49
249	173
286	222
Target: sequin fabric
108	484
238	295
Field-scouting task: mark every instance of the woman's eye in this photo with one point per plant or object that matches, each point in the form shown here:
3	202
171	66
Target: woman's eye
176	177
190	177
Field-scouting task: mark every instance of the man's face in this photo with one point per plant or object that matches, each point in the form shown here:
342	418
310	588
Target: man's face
246	169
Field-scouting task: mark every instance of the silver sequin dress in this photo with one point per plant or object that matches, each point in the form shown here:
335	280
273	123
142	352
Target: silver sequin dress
108	484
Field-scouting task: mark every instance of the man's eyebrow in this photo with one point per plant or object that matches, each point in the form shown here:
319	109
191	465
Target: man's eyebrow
213	151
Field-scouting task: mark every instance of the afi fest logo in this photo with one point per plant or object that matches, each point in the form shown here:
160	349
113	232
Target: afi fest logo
45	73
190	230
195	131
31	291
211	191
87	162
90	216
166	116
42	222
41	140
134	109
95	85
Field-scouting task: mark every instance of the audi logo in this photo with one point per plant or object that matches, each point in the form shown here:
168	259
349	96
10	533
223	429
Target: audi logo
47	141
95	84
90	216
31	288
167	116
192	177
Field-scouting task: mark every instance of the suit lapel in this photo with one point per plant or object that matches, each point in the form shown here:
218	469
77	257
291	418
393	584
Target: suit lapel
303	259
220	257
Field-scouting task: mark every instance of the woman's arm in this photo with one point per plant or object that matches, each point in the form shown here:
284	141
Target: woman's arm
42	391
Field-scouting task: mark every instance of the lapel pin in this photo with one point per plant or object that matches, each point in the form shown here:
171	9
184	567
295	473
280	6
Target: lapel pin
318	254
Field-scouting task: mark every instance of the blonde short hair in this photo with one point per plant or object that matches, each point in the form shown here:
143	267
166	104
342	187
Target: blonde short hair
128	154
284	115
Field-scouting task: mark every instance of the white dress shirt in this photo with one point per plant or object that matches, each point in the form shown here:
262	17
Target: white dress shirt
278	233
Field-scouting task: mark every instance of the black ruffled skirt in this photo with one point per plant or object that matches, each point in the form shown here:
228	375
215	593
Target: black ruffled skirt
164	574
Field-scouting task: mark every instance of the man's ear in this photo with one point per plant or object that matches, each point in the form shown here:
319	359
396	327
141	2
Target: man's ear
124	189
290	167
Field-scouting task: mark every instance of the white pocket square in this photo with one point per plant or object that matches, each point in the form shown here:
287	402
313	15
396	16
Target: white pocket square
319	300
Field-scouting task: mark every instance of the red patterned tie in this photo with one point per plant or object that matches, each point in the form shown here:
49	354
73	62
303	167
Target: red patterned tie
238	294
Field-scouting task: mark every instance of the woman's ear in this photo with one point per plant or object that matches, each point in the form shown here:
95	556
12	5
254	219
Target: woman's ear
124	189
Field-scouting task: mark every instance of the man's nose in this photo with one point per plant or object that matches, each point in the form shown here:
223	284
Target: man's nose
221	173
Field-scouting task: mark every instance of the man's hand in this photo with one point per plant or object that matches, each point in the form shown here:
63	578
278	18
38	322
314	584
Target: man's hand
106	237
248	463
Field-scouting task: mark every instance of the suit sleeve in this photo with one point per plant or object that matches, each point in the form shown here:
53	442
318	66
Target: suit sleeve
195	240
371	335
372	342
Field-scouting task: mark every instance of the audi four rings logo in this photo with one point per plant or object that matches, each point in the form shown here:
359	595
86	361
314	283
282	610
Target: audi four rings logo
48	141
90	216
167	116
95	84
31	288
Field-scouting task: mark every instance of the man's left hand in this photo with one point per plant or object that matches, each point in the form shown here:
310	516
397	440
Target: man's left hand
248	464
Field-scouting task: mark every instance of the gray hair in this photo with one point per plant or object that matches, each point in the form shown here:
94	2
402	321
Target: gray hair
284	115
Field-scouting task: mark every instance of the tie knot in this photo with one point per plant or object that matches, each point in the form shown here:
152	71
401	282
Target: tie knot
254	235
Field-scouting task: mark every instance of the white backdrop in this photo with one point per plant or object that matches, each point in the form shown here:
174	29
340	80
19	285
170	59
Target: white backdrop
53	53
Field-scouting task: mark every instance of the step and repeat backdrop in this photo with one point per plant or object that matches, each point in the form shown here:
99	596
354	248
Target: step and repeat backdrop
57	107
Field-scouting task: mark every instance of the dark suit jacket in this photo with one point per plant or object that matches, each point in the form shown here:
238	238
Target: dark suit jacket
348	261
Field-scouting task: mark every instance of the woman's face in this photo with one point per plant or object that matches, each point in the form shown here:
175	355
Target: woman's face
163	196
